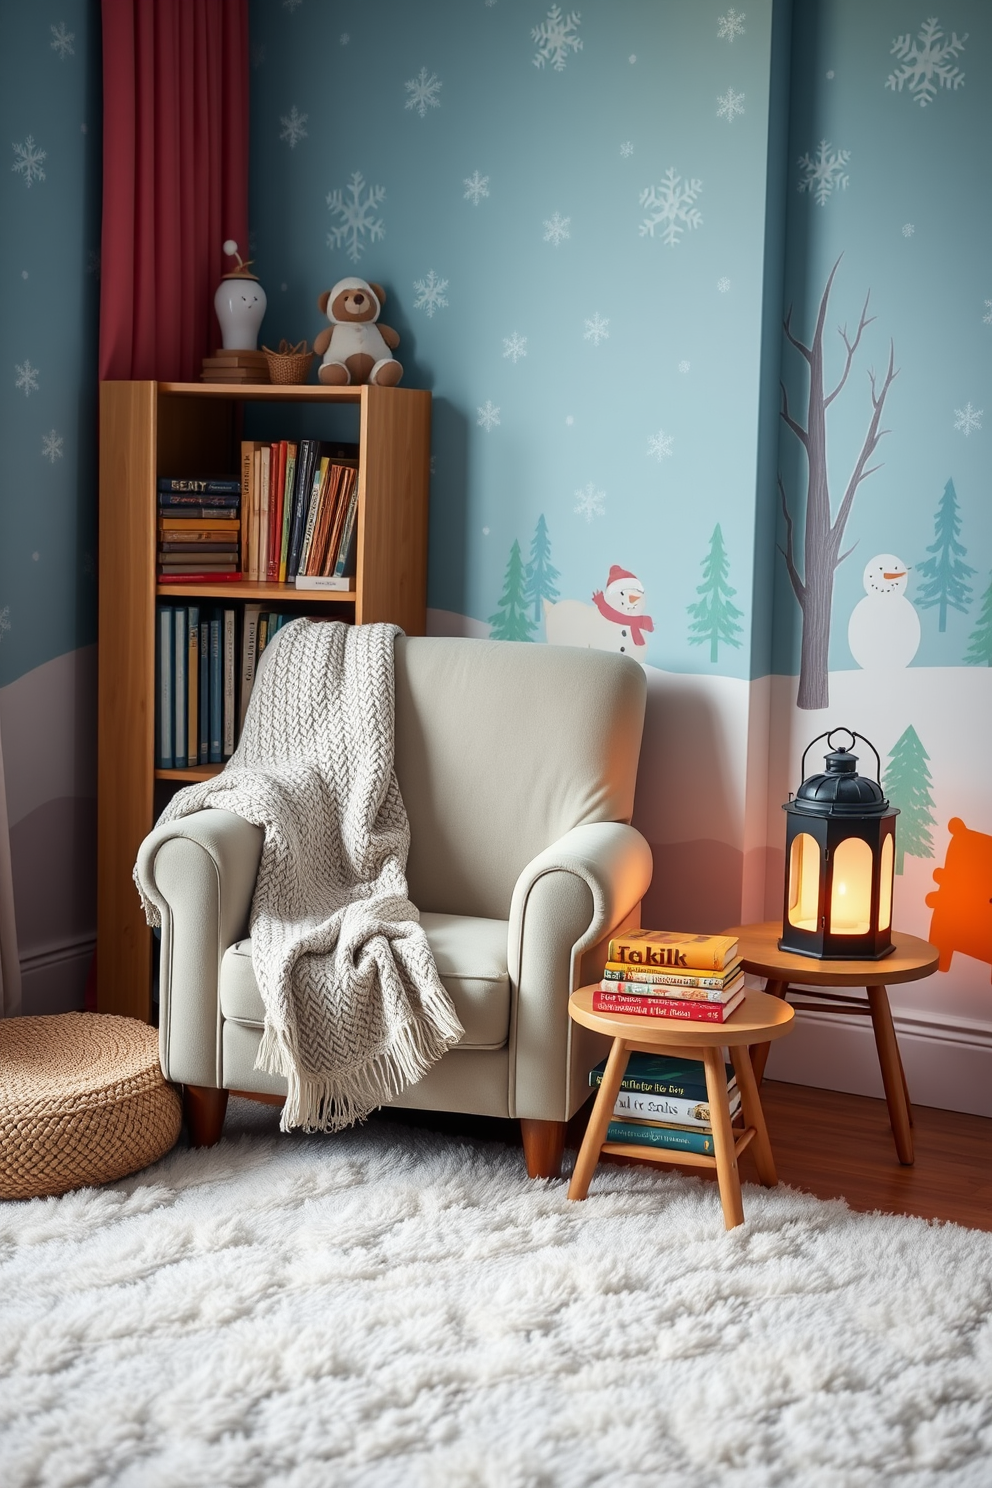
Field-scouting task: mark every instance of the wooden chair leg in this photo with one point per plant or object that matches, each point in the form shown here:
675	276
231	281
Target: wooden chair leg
204	1109
759	1052
893	1075
723	1139
761	1147
544	1144
602	1113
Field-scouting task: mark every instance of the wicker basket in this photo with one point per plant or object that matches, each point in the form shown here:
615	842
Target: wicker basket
289	363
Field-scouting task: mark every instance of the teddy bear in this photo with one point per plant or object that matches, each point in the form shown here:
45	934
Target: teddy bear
354	347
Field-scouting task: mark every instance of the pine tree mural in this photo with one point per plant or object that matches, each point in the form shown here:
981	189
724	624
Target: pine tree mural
512	621
540	578
980	642
714	617
907	784
945	574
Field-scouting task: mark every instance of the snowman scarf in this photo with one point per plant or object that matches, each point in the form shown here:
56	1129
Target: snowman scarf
635	623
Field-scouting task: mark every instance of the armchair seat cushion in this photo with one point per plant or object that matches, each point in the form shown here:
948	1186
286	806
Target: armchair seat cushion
471	956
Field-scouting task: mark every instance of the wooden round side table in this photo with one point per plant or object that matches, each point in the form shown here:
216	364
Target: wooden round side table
911	960
758	1019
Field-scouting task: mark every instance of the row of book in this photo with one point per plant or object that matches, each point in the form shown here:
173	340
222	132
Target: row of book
198	530
300	512
664	974
205	664
663	1102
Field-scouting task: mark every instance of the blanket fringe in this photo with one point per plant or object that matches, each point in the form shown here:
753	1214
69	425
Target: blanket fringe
333	1102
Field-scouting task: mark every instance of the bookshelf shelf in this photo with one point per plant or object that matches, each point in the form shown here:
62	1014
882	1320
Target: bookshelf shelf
152	429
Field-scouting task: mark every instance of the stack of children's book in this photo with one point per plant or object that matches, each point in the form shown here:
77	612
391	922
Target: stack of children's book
199	530
662	1102
300	505
664	974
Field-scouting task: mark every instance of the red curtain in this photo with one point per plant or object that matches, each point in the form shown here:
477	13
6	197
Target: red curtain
175	179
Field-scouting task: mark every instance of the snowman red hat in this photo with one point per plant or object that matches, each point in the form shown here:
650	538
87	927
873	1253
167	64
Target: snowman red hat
624	593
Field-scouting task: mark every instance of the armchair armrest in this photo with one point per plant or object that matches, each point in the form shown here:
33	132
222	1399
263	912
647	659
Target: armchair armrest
199	873
567	900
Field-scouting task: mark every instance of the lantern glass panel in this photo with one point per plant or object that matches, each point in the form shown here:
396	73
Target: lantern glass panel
885	885
804	883
850	897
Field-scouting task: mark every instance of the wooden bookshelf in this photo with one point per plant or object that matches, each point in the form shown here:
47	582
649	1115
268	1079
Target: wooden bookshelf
152	429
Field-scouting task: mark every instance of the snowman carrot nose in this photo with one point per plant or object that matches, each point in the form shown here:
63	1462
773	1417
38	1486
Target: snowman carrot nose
900	575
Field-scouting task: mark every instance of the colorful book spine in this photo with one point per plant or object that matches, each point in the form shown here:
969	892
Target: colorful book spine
265	496
202	576
641	988
193	684
320	477
662	1074
289	492
204	690
630	1133
279	451
165	675
622	971
179	689
304	480
631	1105
249	657
230	672
667	948
664	1007
345	561
216	690
199	489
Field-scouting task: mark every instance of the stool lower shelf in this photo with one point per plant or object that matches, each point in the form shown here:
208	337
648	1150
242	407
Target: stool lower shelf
644	1153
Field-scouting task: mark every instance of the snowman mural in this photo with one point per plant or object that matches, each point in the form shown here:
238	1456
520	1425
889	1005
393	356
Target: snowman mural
613	622
884	629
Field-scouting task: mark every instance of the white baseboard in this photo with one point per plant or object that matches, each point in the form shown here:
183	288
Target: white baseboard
948	1063
53	979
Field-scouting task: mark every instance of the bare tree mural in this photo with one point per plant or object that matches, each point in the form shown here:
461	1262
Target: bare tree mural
823	531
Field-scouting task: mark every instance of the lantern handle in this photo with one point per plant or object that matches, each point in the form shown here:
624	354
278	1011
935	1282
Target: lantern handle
828	735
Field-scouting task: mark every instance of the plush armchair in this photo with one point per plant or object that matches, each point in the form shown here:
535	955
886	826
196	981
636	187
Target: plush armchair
517	766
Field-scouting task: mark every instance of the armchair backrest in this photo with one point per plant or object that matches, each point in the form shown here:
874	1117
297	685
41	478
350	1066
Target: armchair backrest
501	748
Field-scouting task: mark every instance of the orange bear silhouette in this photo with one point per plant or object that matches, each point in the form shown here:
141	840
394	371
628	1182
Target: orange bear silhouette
962	905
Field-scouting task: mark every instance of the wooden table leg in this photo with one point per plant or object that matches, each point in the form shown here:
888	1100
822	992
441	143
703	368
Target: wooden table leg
723	1138
759	1052
754	1116
602	1113
893	1075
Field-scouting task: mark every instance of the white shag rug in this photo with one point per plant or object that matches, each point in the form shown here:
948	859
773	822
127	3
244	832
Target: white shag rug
396	1308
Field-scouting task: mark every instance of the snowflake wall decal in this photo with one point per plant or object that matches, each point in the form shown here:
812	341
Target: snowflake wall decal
731	104
292	127
515	347
556	37
591	503
51	446
723	285
487	416
357	213
291	5
62	41
968	420
908	229
987	317
730	25
556	229
626	149
476	187
683	367
28	163
596	330
826	173
27	378
672	207
423	91
925	59
660	445
430	294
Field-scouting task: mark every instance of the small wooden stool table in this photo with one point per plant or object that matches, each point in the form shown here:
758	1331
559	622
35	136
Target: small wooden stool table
758	1019
911	960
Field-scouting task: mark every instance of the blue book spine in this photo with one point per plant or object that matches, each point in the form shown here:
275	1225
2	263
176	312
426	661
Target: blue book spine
197	488
179	697
305	459
216	710
658	1074
164	670
204	699
632	1132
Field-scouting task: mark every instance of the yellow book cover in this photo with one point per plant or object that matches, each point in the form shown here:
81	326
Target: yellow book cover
672	948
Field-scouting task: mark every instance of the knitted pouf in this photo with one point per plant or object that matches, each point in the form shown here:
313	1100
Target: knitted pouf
82	1100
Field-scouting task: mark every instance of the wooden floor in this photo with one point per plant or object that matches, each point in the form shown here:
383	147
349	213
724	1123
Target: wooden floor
836	1146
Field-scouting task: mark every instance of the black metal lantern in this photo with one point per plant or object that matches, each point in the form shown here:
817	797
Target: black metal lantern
839	861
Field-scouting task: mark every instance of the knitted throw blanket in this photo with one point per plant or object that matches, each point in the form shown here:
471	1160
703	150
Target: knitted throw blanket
354	1008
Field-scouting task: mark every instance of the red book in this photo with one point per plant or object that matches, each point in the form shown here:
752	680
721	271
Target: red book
665	1007
200	578
275	509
